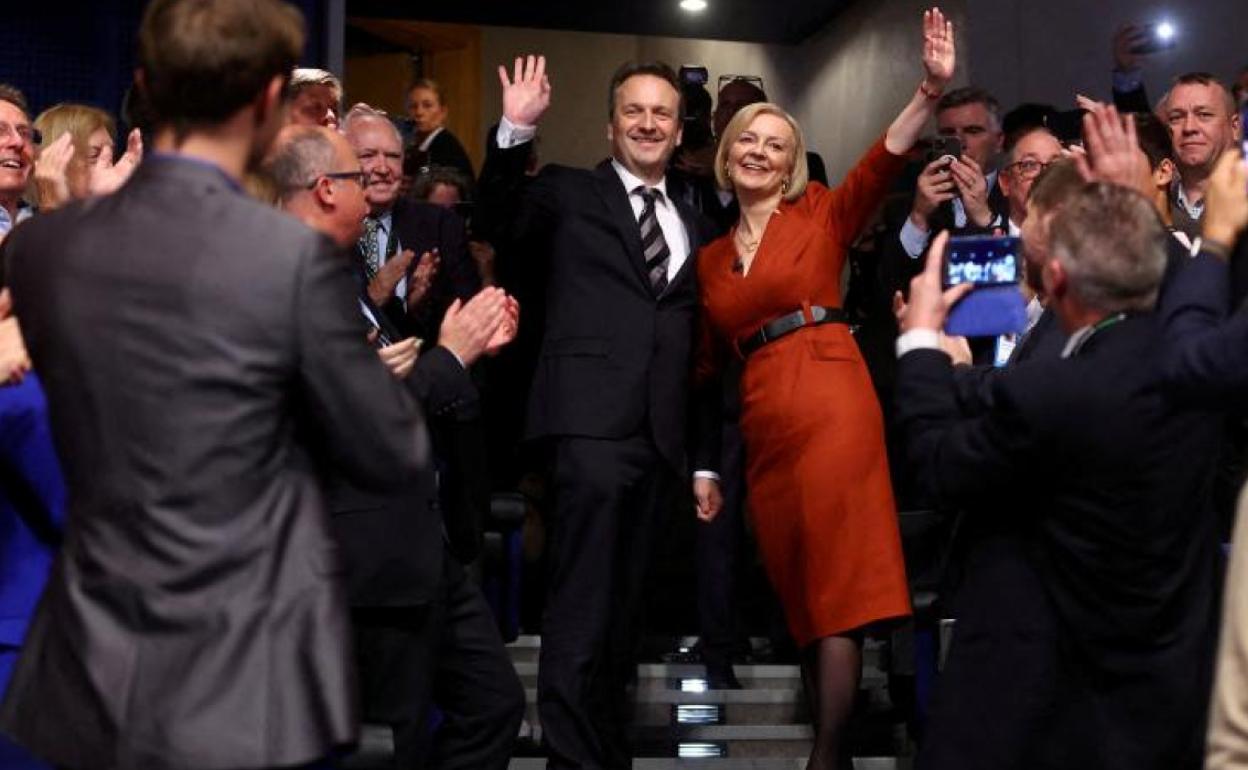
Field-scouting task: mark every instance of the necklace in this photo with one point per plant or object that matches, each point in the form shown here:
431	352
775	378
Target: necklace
744	242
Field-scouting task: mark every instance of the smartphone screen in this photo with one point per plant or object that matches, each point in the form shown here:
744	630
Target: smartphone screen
983	260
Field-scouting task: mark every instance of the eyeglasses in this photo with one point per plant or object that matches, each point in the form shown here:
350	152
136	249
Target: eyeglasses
1029	168
27	133
360	177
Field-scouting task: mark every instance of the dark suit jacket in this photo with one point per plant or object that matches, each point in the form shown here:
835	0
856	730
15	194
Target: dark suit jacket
1097	474
393	544
1205	352
423	227
445	150
198	350
615	361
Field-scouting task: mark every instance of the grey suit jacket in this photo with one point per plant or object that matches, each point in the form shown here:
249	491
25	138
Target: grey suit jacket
202	356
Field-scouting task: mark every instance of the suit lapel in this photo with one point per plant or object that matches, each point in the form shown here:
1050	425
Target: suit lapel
615	198
689	218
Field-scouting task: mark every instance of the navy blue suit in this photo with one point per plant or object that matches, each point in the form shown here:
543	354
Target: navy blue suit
32	510
1205	357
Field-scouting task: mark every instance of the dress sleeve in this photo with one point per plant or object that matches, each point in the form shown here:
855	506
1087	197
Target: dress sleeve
846	209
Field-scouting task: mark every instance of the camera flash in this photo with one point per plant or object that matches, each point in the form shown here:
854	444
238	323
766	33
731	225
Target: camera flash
1165	31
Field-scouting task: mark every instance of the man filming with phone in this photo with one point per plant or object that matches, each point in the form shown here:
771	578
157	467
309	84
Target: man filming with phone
958	187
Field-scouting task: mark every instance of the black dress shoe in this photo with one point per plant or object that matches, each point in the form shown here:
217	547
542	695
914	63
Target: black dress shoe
722	678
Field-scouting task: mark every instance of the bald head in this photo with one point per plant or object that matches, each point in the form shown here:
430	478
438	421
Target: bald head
318	181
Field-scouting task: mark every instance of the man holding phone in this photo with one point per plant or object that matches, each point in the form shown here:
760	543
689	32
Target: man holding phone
958	187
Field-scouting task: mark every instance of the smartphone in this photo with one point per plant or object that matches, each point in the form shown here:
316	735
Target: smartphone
1161	37
1066	126
944	145
984	260
691	74
992	264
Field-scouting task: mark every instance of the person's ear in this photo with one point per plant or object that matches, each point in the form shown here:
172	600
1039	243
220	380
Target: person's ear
325	193
610	131
1163	175
1056	279
680	133
271	100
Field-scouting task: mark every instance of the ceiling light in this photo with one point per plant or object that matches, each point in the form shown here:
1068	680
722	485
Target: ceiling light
693	6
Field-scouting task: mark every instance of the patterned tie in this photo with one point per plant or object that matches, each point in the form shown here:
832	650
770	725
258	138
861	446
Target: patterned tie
653	245
368	246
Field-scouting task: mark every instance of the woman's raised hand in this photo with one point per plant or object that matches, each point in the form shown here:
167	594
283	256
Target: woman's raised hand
939	50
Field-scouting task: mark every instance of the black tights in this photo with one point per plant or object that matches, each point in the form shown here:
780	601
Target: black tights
831	671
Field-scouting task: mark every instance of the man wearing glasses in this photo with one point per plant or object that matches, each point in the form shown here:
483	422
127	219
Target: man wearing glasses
1032	153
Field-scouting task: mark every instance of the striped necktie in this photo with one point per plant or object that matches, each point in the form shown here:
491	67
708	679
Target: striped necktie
653	245
368	245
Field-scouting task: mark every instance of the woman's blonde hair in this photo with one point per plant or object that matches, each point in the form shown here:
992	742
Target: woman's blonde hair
799	173
80	121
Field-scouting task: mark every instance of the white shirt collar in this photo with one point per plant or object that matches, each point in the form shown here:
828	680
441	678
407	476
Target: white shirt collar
1194	210
424	146
632	182
1076	340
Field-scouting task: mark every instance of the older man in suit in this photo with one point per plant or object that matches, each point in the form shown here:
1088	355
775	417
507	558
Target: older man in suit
412	255
611	385
200	351
1114	601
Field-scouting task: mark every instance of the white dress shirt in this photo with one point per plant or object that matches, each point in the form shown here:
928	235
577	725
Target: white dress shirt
384	223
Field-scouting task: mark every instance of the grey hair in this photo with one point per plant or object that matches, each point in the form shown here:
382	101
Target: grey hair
361	111
300	159
1112	244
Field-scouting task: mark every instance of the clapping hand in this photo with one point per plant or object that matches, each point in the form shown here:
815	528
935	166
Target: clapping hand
400	357
14	361
526	96
52	172
507	330
939	49
1111	150
469	328
381	287
1226	201
107	177
422	278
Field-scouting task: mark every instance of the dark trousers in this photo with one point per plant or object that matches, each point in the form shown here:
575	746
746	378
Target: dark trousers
717	552
447	653
609	495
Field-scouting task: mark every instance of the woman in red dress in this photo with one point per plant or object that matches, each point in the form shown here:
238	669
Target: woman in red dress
819	490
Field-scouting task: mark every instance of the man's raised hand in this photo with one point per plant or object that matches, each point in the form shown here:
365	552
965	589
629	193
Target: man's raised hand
526	95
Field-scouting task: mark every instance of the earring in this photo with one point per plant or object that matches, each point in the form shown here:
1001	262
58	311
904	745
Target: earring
784	187
727	172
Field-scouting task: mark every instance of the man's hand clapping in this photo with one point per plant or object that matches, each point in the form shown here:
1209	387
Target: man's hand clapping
472	328
526	96
422	278
382	286
1226	202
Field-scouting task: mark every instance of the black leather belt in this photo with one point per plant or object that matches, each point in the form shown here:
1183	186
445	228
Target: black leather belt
788	323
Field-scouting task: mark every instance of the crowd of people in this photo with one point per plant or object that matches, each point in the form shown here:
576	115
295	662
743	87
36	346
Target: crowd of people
263	368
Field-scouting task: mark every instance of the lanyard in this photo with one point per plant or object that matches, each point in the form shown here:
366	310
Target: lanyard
1100	326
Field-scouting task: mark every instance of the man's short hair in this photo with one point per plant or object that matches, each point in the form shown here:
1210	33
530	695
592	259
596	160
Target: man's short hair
14	97
301	156
960	97
1155	139
306	77
361	111
1112	244
1009	146
201	61
656	69
1054	186
429	179
1202	79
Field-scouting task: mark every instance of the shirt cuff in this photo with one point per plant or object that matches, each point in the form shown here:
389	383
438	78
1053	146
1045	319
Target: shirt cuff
913	240
706	475
1126	82
918	339
509	134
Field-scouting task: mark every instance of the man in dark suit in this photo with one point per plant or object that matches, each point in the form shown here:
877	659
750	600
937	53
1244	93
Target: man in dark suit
423	631
611	386
412	255
1111	617
198	351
